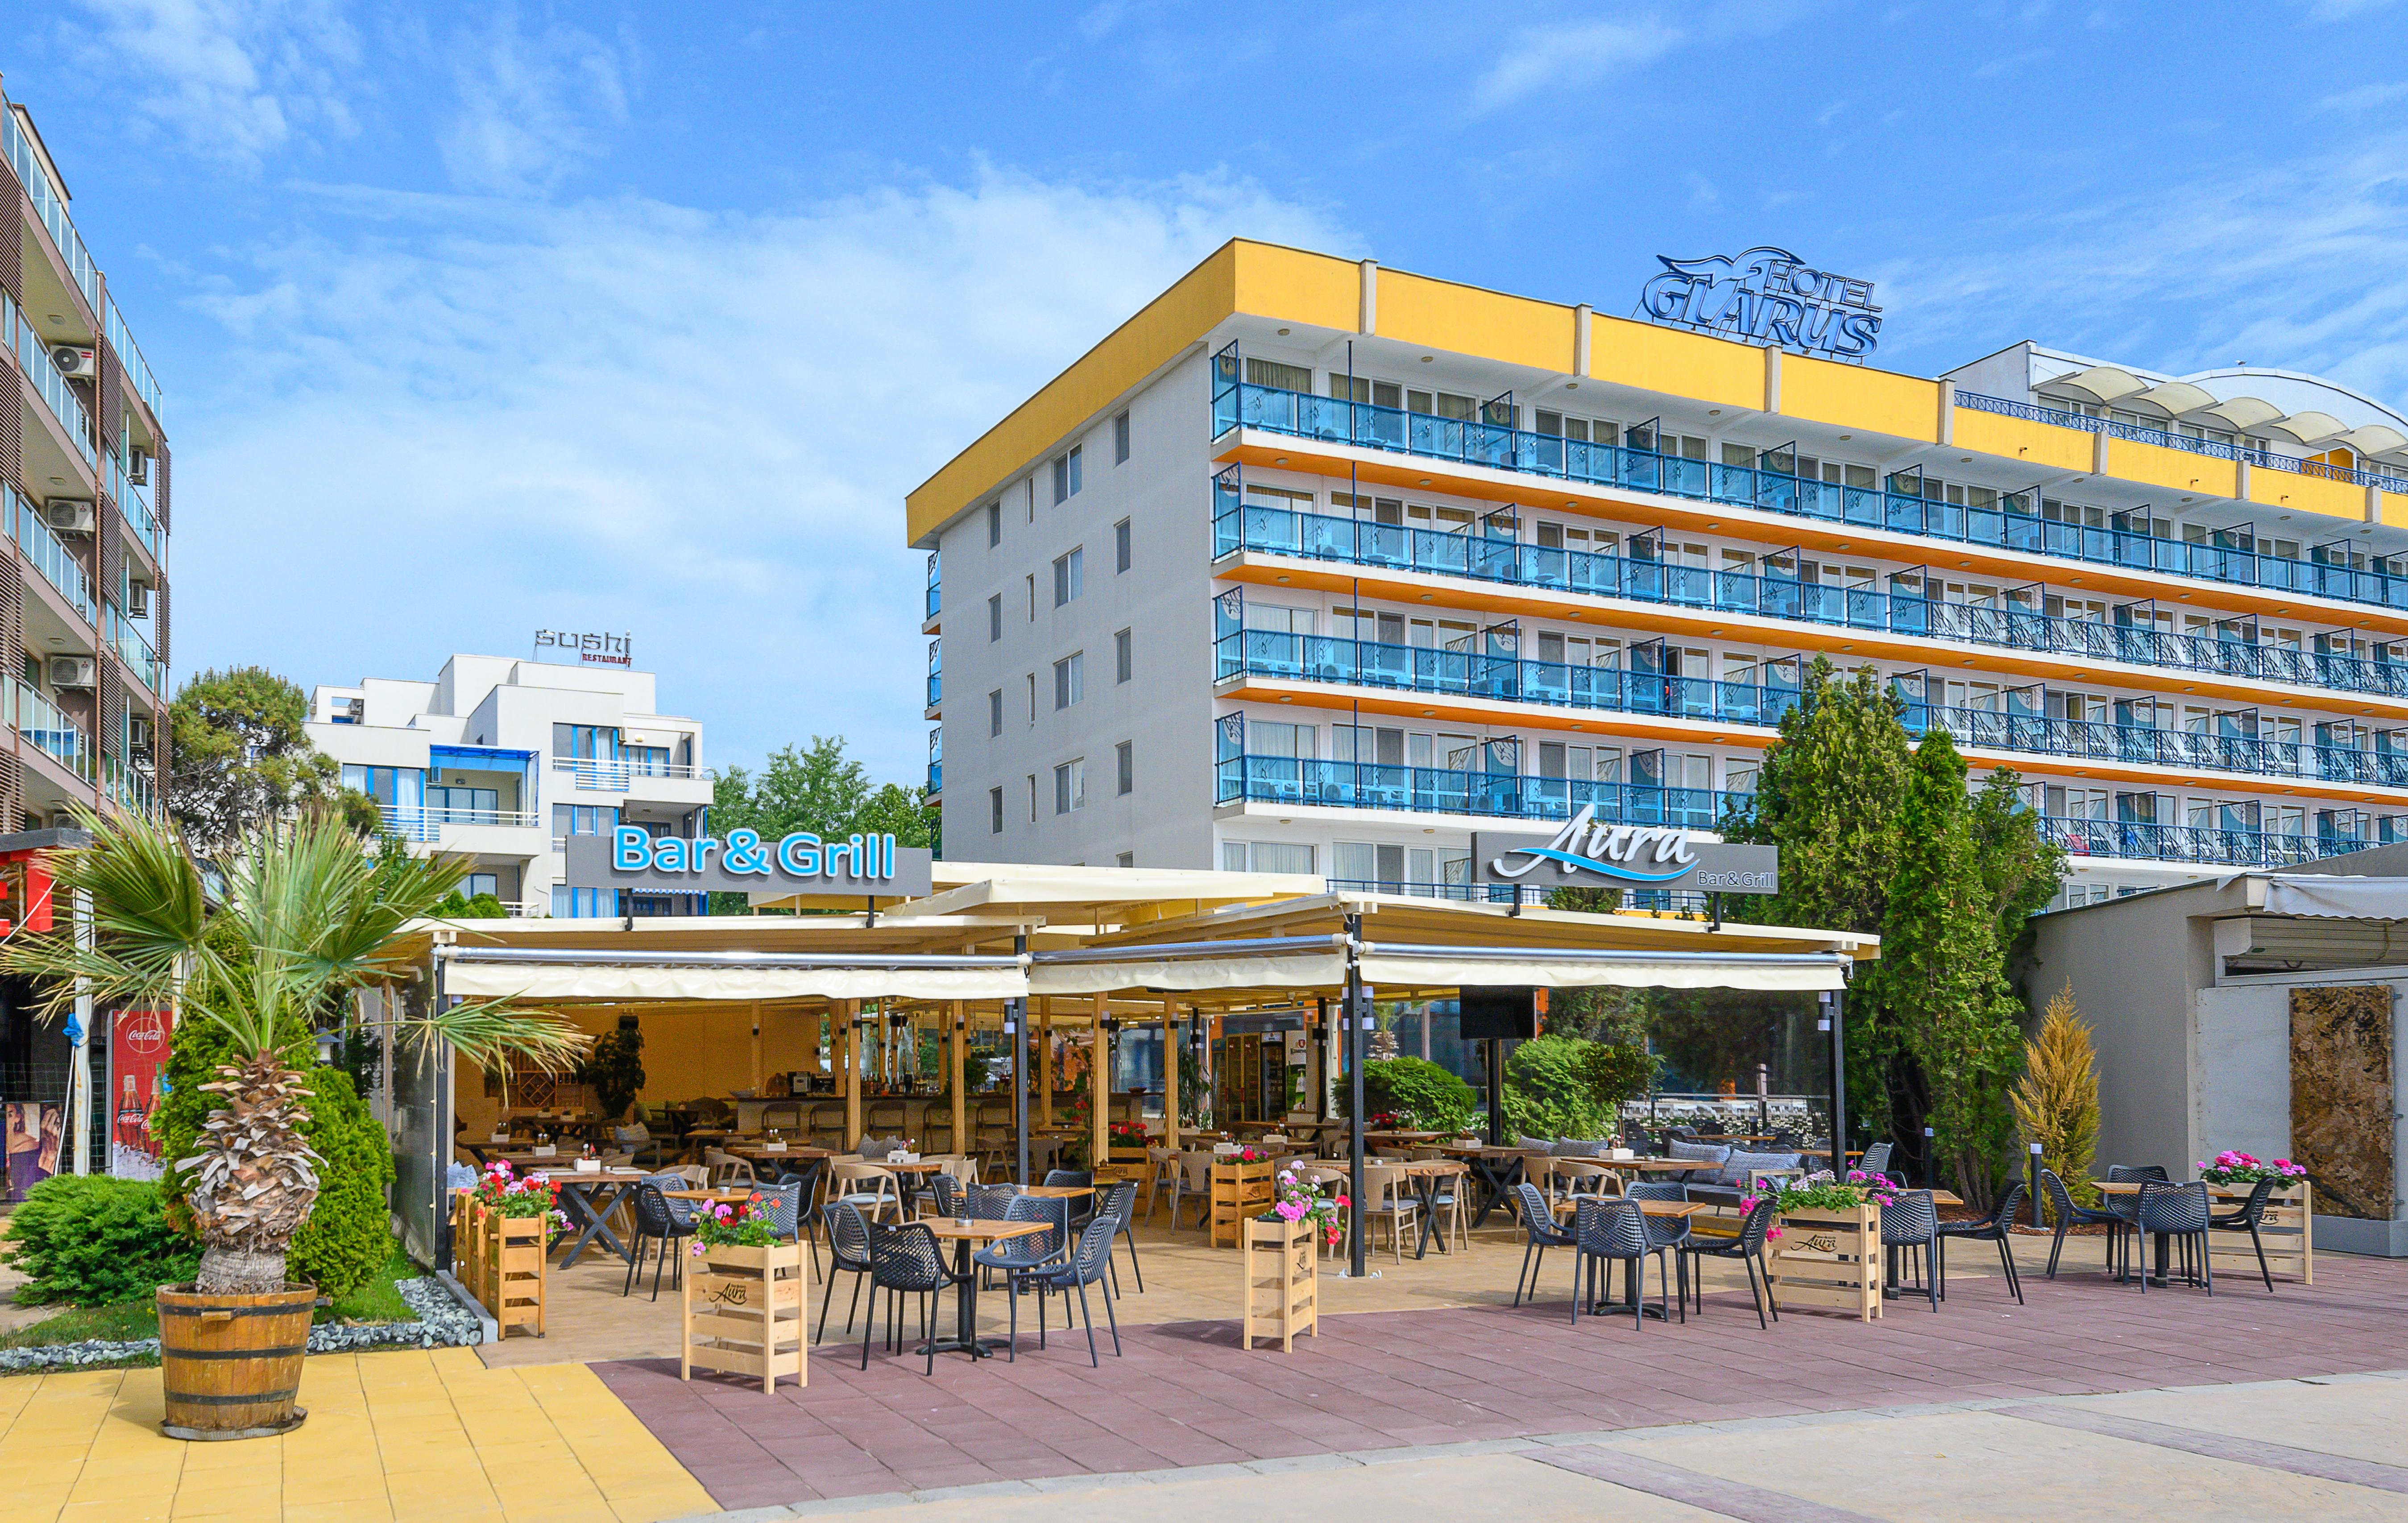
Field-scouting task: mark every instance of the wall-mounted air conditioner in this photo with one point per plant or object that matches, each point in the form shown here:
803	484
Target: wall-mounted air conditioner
68	515
137	733
138	467
75	362
74	671
137	600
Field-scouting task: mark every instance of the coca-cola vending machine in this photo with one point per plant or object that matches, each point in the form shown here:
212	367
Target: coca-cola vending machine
138	1063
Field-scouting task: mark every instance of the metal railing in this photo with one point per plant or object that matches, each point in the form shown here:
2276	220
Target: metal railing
136	503
34	356
51	205
137	369
2012	523
48	554
50	730
417	822
129	788
1314	658
1370	785
2209	847
935	586
1240	525
617	774
2176	440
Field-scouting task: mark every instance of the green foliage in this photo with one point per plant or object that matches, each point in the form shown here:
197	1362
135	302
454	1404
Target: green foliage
1434	1099
1195	1095
457	907
1549	1091
348	1234
241	760
2022	870
820	790
90	1241
615	1067
1617	1072
121	1323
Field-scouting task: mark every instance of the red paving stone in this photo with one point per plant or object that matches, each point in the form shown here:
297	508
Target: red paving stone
1184	1394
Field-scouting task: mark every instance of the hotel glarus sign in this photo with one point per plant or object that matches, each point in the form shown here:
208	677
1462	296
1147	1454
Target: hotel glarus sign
1766	296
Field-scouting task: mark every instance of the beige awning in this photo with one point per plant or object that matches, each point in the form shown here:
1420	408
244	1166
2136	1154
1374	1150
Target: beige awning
542	975
1292	970
1461	966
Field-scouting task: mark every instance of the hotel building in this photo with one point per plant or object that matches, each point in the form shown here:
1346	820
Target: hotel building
84	472
500	761
1315	566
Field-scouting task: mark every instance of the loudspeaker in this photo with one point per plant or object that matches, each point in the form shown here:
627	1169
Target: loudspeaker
1509	1014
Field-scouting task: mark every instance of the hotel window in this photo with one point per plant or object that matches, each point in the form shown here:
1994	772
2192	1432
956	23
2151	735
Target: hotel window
995	618
1578	650
1120	546
1068	472
1032	597
583	903
1389	866
994	811
1443	405
1265	738
1125	765
1378	393
1278	377
1279	497
1572	763
994	524
1032	798
1070	577
585	818
585	742
393	786
1122	664
1277	620
1740	776
994	713
2076	803
1265	857
466	806
477	882
1121	437
1032	700
1573	536
1596	431
1069	679
1127	859
1071	786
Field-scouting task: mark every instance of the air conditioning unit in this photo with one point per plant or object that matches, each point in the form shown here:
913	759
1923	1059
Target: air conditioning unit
137	733
74	362
68	515
74	671
137	600
138	467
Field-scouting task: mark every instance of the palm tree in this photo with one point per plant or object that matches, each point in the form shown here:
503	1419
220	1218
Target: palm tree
296	918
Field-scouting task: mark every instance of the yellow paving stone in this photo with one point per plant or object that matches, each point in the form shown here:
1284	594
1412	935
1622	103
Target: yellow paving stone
361	1510
113	1511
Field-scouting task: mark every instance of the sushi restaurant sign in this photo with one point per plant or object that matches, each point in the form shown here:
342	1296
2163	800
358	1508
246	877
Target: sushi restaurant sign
745	862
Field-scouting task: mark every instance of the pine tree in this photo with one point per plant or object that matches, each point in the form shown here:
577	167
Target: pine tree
1943	985
2022	868
2057	1100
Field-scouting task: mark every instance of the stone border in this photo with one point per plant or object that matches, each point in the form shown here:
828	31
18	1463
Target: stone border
441	1323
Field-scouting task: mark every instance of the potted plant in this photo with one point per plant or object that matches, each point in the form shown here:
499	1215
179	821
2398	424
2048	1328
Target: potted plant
744	1306
505	1230
1129	1140
1826	1242
1280	1265
613	1069
289	922
2287	1227
2241	1169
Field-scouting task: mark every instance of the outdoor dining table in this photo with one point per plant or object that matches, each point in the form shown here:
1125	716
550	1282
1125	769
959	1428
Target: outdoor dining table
762	1153
1648	1208
1424	1175
2132	1187
1498	1170
962	1232
590	1197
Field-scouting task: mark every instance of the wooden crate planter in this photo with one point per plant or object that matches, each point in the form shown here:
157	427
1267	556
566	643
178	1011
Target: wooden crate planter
744	1314
1282	1283
504	1261
1240	1191
2288	1229
1830	1258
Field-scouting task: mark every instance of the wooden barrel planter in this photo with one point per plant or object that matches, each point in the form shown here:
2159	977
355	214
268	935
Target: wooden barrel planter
232	1365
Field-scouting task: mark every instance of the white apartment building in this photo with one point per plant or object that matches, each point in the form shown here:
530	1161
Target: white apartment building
501	761
1315	566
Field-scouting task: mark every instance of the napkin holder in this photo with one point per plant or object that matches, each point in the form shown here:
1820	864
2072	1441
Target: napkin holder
589	1165
548	1150
1621	1155
773	1148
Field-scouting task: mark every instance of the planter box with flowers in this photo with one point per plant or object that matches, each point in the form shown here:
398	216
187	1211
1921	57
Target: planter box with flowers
1243	1187
744	1296
1129	1140
1826	1242
1282	1262
501	1238
2286	1228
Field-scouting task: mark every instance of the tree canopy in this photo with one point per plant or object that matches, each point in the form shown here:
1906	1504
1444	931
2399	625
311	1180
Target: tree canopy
241	760
819	788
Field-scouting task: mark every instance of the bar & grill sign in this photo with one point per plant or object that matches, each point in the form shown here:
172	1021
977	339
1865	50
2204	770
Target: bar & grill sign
1585	854
629	856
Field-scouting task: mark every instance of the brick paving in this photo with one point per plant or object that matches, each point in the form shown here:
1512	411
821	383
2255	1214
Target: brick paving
1184	1395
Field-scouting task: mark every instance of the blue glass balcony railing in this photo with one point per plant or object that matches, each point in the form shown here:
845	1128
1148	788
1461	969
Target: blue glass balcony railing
2011	526
935	586
1366	784
50	206
2199	844
1277	530
47	552
1314	658
57	395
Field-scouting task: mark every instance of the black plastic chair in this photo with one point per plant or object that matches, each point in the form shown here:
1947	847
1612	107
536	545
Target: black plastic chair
1911	1221
1993	1230
1610	1231
1544	1234
1069	1178
1748	1248
1022	1260
1119	1202
988	1202
848	1235
787	1204
655	1220
1671	1232
2176	1211
2069	1216
2124	1203
1876	1160
1087	1264
2245	1220
945	1194
906	1260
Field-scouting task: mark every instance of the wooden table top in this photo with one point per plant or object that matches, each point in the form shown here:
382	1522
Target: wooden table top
948	1230
727	1195
1057	1193
597	1177
2132	1187
1408	1136
1651	1208
758	1150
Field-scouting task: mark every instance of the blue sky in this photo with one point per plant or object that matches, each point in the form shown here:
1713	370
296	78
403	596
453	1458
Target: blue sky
645	317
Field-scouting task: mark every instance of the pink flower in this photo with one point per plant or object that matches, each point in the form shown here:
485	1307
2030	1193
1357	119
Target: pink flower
1774	1231
1288	1210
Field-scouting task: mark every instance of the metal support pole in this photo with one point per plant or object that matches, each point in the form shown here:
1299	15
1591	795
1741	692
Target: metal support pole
1015	1026
1496	1092
1358	1020
1834	1021
1930	1164
2032	1185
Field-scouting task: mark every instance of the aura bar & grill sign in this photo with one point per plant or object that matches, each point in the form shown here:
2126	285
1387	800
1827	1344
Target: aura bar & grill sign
629	856
1587	855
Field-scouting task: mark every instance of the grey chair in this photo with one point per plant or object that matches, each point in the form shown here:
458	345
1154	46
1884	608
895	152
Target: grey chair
905	1261
2124	1203
1992	1229
989	1202
1747	1247
1876	1160
1088	1263
2245	1220
1670	1234
2069	1216
2178	1213
945	1195
656	1222
1119	1202
1606	1233
848	1233
1023	1260
1911	1223
1539	1222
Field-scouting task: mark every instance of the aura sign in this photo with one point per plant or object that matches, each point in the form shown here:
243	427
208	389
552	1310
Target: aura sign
745	863
1766	296
1587	855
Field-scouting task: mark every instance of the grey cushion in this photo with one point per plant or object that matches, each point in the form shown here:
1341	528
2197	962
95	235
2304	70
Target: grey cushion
1736	1169
1580	1148
1705	1155
1533	1145
875	1148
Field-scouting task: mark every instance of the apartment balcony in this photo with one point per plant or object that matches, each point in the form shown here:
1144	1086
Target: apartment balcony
33	355
929	623
935	681
1500	678
669	782
1294	782
137	369
2189	444
462	828
50	208
47	552
2134	841
48	729
935	763
2013	524
135	502
136	651
2235	655
129	788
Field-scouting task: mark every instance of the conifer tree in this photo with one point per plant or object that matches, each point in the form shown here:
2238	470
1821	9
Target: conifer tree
2057	1100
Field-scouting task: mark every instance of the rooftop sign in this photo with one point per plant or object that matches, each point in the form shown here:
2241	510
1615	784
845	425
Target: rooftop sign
745	863
589	649
1587	855
1766	296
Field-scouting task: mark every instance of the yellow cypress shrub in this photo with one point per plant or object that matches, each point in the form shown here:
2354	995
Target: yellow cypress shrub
2057	1100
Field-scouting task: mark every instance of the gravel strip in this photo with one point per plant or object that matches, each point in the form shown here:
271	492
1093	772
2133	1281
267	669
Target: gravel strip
443	1323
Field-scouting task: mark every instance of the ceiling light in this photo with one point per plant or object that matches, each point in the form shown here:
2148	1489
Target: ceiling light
56	640
1964	460
1286	698
58	481
1426	596
1427	357
57	322
1282	581
1282	333
1425	481
1429	713
1572	386
1846	438
1713	412
1282	461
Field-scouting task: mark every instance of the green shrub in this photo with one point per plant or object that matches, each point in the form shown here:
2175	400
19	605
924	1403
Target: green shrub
1549	1092
88	1240
1433	1099
349	1235
459	906
613	1067
1615	1072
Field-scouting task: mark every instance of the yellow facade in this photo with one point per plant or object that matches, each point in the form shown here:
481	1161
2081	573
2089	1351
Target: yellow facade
2176	470
1466	320
2020	439
1676	363
2295	493
1852	396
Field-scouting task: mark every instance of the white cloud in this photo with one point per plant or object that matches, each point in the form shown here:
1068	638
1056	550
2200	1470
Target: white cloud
2361	98
1540	59
224	78
528	106
467	418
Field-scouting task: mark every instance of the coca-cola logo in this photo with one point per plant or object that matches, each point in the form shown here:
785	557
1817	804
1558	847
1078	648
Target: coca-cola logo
144	1032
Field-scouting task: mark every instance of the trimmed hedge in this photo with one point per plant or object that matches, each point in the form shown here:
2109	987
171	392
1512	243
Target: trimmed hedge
1415	1086
88	1240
